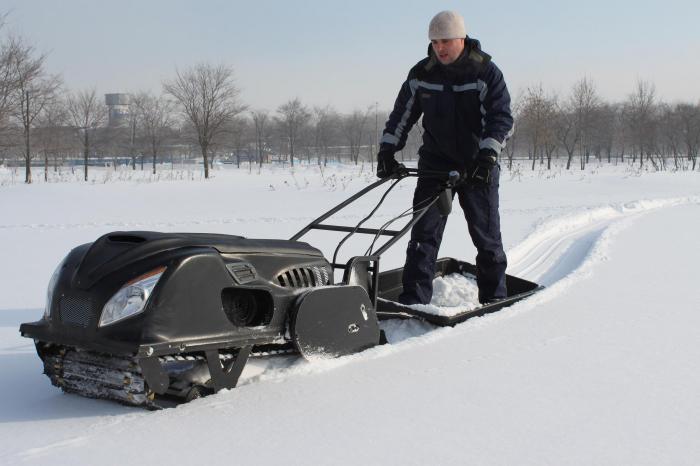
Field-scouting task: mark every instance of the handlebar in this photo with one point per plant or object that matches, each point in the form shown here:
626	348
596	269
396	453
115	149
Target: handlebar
452	177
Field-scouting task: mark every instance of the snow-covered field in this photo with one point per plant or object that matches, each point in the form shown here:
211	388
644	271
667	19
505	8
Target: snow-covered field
602	367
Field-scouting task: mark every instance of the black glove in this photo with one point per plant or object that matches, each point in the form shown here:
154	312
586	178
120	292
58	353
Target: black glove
388	166
483	165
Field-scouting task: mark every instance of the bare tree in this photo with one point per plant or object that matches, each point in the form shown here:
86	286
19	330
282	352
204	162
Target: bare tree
209	99
306	139
156	118
129	134
7	86
670	131
640	112
326	123
567	131
9	48
240	133
51	133
537	116
604	127
354	126
86	113
260	120
34	90
688	117
234	137
584	102
292	117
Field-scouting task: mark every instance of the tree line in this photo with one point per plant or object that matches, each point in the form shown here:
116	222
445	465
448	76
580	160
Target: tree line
579	125
199	112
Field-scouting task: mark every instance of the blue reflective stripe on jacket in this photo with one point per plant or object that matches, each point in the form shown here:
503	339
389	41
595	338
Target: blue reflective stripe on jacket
465	106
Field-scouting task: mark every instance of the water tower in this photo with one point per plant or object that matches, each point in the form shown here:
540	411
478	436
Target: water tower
118	106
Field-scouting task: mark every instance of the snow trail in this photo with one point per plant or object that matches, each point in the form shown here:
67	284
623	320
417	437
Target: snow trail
560	245
559	252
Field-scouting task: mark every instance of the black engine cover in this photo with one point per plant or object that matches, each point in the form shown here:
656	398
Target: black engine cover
334	321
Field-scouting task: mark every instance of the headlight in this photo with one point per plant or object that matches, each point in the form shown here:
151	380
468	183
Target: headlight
50	289
131	299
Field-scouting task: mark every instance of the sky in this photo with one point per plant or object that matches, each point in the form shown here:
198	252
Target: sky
353	55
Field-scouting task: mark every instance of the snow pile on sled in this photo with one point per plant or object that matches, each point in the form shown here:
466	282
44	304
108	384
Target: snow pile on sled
452	294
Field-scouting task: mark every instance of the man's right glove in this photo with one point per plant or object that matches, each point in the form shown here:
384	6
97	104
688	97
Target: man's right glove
483	165
387	165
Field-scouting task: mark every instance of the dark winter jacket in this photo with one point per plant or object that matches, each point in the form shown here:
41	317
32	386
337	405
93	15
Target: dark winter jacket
465	106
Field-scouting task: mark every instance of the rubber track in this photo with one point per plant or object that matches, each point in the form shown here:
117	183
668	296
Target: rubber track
95	375
118	378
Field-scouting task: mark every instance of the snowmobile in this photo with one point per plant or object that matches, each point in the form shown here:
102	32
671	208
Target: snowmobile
156	319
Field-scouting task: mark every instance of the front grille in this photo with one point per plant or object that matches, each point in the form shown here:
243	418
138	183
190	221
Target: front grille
304	277
75	310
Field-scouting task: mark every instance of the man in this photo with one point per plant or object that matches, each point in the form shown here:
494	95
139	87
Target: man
466	119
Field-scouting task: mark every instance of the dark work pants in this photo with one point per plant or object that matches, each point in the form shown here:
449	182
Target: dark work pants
480	207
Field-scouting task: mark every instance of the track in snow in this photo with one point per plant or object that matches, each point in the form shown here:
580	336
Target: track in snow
551	254
560	246
551	257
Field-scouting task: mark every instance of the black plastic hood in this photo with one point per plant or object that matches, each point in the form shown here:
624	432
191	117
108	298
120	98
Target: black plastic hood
120	248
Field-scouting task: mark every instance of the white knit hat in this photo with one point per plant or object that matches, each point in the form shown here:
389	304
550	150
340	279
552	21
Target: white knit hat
447	25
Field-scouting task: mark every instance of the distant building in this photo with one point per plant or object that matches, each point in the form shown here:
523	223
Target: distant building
118	107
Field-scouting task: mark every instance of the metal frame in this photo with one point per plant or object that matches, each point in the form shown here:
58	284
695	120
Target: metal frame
394	234
371	263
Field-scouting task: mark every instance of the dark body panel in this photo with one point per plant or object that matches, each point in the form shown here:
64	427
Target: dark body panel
187	308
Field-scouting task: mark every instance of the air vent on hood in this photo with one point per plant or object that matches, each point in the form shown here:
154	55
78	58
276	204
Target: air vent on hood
242	272
126	239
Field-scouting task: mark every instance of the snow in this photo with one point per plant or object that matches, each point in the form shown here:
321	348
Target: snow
601	367
452	295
